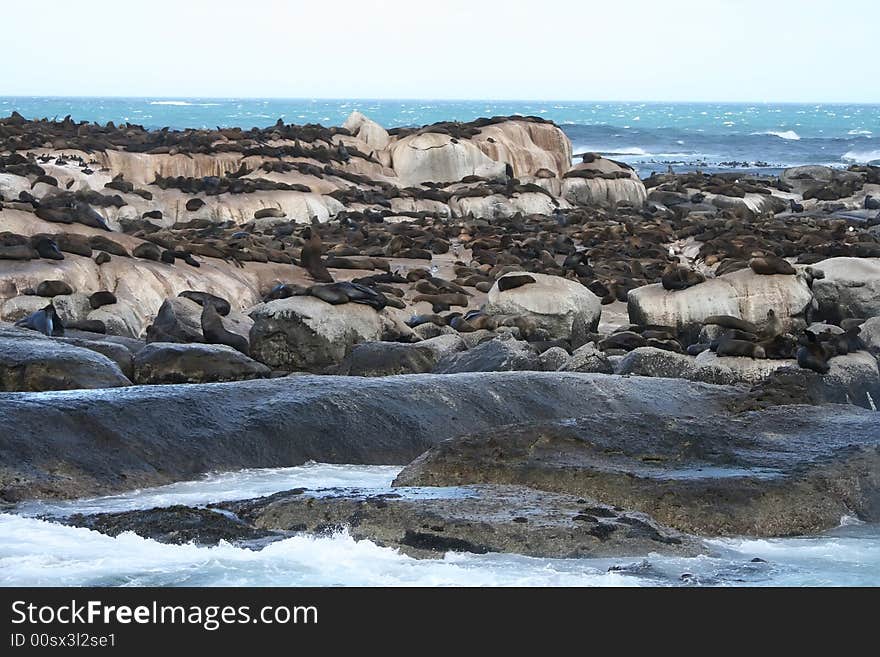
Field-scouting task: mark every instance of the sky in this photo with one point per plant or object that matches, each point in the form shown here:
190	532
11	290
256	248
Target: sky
667	50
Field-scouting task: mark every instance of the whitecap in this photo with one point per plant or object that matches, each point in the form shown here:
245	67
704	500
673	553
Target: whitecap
790	135
861	157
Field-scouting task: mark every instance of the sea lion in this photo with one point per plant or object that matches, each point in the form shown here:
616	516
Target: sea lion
726	321
442	302
53	288
45	320
46	247
102	243
203	298
774	326
512	282
795	207
872	203
769	265
733	347
147	251
102	298
676	277
194	204
310	256
811	354
216	333
102	258
285	291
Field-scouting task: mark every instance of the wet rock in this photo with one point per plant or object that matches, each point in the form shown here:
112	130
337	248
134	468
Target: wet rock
165	363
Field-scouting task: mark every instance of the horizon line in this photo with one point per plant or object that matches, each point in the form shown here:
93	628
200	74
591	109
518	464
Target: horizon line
447	100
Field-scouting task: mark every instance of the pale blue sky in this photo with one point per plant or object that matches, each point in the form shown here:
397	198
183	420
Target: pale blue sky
715	50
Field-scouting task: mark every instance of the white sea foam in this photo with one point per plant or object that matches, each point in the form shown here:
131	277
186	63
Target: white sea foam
790	135
860	133
183	103
861	157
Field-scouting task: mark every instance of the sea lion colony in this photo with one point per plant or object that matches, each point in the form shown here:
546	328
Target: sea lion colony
373	251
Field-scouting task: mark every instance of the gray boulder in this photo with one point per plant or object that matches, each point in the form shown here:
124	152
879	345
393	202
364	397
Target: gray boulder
169	362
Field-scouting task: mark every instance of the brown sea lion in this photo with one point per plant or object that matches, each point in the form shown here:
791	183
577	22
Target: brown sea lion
511	282
310	256
216	333
769	265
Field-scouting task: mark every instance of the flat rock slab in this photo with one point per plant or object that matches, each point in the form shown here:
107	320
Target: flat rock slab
476	519
79	443
781	471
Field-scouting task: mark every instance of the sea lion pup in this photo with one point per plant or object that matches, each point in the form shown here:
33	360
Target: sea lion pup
811	354
204	298
46	247
101	298
774	326
310	256
770	264
216	333
728	322
795	207
512	282
677	277
45	320
442	302
733	347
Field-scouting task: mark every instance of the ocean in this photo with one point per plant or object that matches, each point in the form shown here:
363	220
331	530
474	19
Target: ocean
35	552
649	136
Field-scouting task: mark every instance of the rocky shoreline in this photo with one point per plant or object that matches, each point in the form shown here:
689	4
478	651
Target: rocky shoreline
687	355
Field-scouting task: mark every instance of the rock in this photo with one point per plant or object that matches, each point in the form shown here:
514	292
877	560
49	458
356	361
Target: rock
850	288
162	434
72	308
368	131
118	353
603	182
53	289
176	524
553	359
741	294
499	355
870	335
30	362
528	147
435	157
20	307
565	308
387	358
168	362
479	519
305	333
588	360
777	472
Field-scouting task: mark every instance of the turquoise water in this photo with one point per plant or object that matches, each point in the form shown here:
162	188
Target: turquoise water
648	135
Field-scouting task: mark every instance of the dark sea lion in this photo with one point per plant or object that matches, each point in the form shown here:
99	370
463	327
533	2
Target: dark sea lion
872	203
147	251
216	333
697	348
74	243
102	243
53	289
285	291
45	320
732	347
263	213
512	282
774	325
726	321
46	247
779	347
329	294
102	298
102	258
442	302
152	214
310	256
811	355
343	292
194	204
203	298
676	277
795	206
167	256
627	340
769	265
87	216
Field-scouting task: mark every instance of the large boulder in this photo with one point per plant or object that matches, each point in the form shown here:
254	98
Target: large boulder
564	308
741	294
601	181
435	157
850	288
171	362
528	146
776	472
368	131
305	333
499	355
31	362
180	320
870	335
387	358
161	434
